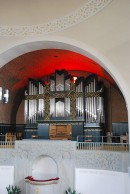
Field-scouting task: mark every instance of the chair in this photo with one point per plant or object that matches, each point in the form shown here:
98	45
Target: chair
10	137
123	139
19	135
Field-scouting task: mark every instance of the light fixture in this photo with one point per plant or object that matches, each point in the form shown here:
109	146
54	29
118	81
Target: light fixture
4	95
74	79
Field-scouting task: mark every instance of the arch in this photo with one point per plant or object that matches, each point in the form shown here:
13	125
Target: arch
36	43
44	168
49	42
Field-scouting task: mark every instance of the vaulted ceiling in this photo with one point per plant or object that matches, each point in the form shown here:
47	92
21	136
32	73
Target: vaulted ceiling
39	17
37	64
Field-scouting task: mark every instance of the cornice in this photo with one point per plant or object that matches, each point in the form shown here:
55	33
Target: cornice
89	9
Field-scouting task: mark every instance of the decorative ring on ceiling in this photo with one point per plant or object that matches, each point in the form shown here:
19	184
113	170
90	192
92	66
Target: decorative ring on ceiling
87	10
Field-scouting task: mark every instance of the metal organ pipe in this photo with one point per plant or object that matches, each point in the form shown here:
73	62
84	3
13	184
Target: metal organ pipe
76	102
35	102
34	108
92	103
30	104
94	106
88	103
100	109
92	90
26	109
94	99
82	102
67	107
78	105
79	100
89	89
40	101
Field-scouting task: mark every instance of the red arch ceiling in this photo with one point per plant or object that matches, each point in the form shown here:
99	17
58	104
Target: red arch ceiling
41	63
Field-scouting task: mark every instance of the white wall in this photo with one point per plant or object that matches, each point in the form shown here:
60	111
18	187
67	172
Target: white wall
6	178
91	181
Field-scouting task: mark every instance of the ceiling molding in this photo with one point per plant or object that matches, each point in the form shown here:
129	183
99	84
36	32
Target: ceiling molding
88	10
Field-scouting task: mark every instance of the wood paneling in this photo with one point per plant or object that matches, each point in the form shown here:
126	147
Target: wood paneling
60	132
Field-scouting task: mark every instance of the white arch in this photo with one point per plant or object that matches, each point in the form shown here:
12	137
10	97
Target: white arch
31	44
48	42
44	168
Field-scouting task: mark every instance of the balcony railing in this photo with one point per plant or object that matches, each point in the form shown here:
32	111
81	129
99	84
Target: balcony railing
111	143
102	146
88	145
7	144
103	139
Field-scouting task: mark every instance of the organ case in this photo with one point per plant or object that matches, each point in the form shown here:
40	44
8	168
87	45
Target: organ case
62	99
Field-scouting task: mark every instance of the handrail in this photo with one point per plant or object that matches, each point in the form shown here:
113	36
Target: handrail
123	147
102	146
103	139
7	144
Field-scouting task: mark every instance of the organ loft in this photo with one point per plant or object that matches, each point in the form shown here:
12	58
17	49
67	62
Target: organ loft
65	107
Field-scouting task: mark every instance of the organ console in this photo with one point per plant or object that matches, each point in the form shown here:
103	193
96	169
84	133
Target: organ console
62	99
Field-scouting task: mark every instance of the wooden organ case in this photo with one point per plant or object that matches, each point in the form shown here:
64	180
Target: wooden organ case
62	109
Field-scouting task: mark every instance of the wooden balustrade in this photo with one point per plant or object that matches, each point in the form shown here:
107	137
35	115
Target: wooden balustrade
7	144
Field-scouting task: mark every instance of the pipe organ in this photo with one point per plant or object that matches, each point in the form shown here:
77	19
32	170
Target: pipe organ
34	105
79	89
62	99
94	102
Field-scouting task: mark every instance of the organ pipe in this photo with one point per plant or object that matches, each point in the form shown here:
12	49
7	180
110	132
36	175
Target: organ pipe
79	99
94	104
89	102
33	106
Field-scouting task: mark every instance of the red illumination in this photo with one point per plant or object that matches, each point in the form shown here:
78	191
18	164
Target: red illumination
46	82
38	64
